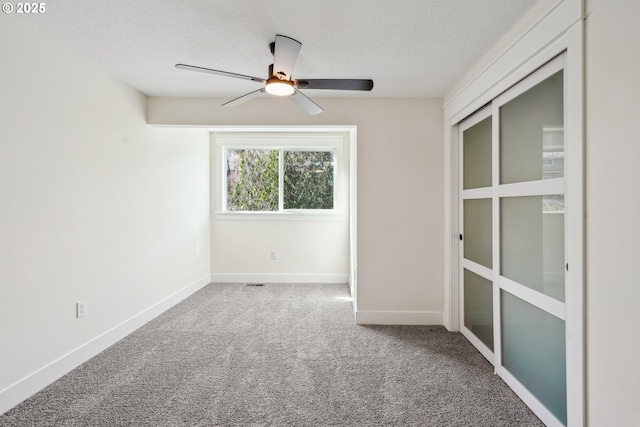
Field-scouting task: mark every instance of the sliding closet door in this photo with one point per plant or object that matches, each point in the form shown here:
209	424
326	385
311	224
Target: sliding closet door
531	238
477	229
513	238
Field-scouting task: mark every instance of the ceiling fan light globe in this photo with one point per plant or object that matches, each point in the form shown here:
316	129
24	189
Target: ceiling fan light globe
279	87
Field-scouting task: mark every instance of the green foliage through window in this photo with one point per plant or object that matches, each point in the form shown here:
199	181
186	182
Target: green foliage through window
253	180
308	180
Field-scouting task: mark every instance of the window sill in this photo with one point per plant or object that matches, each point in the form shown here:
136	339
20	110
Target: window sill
280	216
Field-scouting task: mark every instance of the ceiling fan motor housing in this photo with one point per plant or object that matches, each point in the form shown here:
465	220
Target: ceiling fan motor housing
279	74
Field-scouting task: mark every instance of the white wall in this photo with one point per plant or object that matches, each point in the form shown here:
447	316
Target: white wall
95	204
400	190
613	212
310	250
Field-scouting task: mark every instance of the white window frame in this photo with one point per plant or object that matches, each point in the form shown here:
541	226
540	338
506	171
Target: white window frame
282	142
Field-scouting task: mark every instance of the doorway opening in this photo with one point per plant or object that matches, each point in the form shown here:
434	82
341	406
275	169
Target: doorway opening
304	227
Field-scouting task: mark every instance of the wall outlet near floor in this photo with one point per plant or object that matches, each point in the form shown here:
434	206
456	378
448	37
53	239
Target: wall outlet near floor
81	308
274	255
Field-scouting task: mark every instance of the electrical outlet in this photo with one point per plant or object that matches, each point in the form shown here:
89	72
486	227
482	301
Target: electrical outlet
81	308
274	255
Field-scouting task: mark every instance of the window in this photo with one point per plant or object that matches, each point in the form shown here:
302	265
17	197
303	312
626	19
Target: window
279	174
272	180
252	180
308	178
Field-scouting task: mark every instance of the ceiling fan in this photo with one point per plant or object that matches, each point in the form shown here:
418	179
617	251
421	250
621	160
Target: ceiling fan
280	82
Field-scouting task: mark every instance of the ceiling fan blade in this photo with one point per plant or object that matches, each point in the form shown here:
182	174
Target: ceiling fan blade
285	54
218	72
305	103
244	98
337	84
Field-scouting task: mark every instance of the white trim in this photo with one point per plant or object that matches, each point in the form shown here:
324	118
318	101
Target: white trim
281	182
544	187
266	128
353	217
495	236
399	317
478	269
477	193
452	246
535	298
36	381
278	278
575	228
296	139
289	215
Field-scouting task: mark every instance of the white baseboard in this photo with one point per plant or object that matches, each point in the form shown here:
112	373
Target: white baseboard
398	317
36	381
279	278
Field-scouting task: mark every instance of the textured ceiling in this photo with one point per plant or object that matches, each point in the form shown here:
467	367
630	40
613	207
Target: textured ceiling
410	48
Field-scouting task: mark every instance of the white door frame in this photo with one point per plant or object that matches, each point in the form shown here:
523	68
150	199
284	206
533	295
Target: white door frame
560	29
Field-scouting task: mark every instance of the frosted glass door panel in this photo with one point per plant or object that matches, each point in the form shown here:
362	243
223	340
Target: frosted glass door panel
478	307
533	351
532	134
532	242
477	155
477	231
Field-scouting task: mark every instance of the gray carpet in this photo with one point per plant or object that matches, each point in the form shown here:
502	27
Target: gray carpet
277	355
